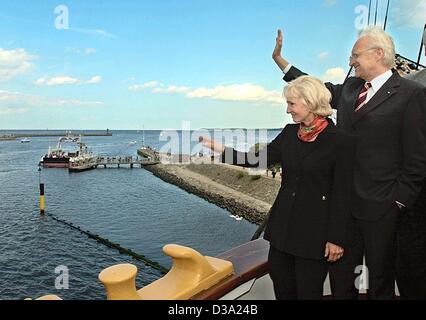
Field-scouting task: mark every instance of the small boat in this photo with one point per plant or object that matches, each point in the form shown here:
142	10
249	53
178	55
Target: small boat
85	160
133	142
70	138
148	152
25	140
57	157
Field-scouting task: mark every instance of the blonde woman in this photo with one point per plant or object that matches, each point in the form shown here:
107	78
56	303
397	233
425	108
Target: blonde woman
307	224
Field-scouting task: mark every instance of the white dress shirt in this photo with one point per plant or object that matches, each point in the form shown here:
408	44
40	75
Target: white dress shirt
377	83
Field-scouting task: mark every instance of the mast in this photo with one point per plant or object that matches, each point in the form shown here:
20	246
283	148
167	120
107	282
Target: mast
143	135
369	11
386	17
422	42
375	16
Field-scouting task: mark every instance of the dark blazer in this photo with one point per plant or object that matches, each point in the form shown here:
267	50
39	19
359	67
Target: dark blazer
390	133
311	206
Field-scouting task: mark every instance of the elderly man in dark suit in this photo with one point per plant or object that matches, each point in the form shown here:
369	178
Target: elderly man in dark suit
387	115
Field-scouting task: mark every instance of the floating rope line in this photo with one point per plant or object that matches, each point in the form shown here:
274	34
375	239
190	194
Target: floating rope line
113	245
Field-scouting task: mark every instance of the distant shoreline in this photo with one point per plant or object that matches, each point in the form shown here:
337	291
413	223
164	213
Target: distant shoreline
56	134
140	130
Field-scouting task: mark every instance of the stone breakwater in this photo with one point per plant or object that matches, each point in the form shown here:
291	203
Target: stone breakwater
232	189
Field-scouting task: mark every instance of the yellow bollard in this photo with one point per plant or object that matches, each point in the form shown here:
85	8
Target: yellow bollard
42	198
191	273
119	281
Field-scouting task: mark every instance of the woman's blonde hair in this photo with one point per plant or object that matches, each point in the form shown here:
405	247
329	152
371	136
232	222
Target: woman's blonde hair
313	93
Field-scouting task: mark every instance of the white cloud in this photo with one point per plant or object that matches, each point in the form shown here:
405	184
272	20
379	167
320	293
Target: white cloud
238	92
14	63
40	81
66	80
330	3
11	111
409	13
89	51
95	79
323	55
246	92
16	102
77	103
94	32
81	52
172	89
334	75
57	81
141	87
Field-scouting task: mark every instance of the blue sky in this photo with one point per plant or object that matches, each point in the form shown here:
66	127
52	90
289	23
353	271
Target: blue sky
128	64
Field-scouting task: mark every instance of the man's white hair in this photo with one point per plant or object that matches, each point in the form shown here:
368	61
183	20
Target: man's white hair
380	39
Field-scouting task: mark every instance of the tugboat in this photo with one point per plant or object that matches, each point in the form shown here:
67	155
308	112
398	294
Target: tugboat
57	158
85	160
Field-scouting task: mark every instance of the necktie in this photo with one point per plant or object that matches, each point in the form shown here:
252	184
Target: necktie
362	96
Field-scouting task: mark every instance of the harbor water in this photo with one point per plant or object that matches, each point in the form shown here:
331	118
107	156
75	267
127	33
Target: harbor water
130	207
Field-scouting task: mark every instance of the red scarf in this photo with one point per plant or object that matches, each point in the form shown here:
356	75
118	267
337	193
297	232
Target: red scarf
310	134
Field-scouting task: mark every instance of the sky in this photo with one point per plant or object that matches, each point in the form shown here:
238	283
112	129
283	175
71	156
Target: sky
154	64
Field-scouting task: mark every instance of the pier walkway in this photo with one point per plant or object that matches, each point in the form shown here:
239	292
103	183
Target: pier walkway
128	161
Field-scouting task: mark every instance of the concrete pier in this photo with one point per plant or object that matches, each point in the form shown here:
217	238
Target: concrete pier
119	161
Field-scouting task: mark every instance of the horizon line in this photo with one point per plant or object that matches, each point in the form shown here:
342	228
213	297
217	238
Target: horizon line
164	129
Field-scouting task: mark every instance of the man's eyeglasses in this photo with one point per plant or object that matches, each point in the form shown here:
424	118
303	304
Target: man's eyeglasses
355	56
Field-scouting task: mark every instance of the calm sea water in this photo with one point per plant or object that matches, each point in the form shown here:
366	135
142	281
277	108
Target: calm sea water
128	206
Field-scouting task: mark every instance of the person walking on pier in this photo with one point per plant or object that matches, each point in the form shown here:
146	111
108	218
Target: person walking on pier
306	227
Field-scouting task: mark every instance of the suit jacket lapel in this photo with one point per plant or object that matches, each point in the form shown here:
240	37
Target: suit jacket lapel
384	93
352	113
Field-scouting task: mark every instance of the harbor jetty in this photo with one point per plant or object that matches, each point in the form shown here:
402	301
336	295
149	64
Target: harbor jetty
235	189
13	136
225	191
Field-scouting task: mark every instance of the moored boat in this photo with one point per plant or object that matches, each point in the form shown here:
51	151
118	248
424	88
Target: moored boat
57	157
70	138
85	160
